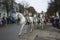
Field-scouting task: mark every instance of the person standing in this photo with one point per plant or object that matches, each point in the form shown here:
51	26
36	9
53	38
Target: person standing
4	19
57	21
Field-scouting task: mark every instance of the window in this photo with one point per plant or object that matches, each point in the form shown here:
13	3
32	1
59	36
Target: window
0	14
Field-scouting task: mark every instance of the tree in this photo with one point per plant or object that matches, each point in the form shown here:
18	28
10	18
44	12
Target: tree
53	7
8	5
21	8
25	4
32	10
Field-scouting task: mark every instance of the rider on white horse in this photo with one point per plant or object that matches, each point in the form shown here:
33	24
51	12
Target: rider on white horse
30	20
35	20
23	22
42	19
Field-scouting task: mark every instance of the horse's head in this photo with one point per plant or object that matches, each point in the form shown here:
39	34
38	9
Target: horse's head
19	15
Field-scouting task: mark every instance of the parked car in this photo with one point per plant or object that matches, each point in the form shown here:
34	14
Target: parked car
13	20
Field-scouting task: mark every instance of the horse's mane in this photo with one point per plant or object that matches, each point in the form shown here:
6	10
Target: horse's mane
20	14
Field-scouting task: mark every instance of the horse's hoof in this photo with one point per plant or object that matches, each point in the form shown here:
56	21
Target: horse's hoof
19	35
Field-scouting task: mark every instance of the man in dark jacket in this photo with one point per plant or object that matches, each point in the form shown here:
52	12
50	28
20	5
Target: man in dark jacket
52	21
57	21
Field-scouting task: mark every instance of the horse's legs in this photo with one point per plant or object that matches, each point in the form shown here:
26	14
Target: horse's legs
32	27
35	25
42	25
21	29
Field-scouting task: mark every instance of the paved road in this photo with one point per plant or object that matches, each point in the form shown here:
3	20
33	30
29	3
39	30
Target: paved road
10	32
49	33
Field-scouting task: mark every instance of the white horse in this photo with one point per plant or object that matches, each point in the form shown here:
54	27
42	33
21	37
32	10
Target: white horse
42	19
35	20
30	22
23	22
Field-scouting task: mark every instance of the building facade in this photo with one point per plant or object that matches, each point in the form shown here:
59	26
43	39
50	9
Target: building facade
2	9
13	8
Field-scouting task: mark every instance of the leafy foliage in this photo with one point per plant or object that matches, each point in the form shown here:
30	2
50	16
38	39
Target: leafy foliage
53	7
21	8
32	10
8	6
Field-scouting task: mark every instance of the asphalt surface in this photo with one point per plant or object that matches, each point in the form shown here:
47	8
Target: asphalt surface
48	33
10	32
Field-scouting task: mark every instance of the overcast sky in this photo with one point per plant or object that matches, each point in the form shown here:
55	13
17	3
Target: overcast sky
39	5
